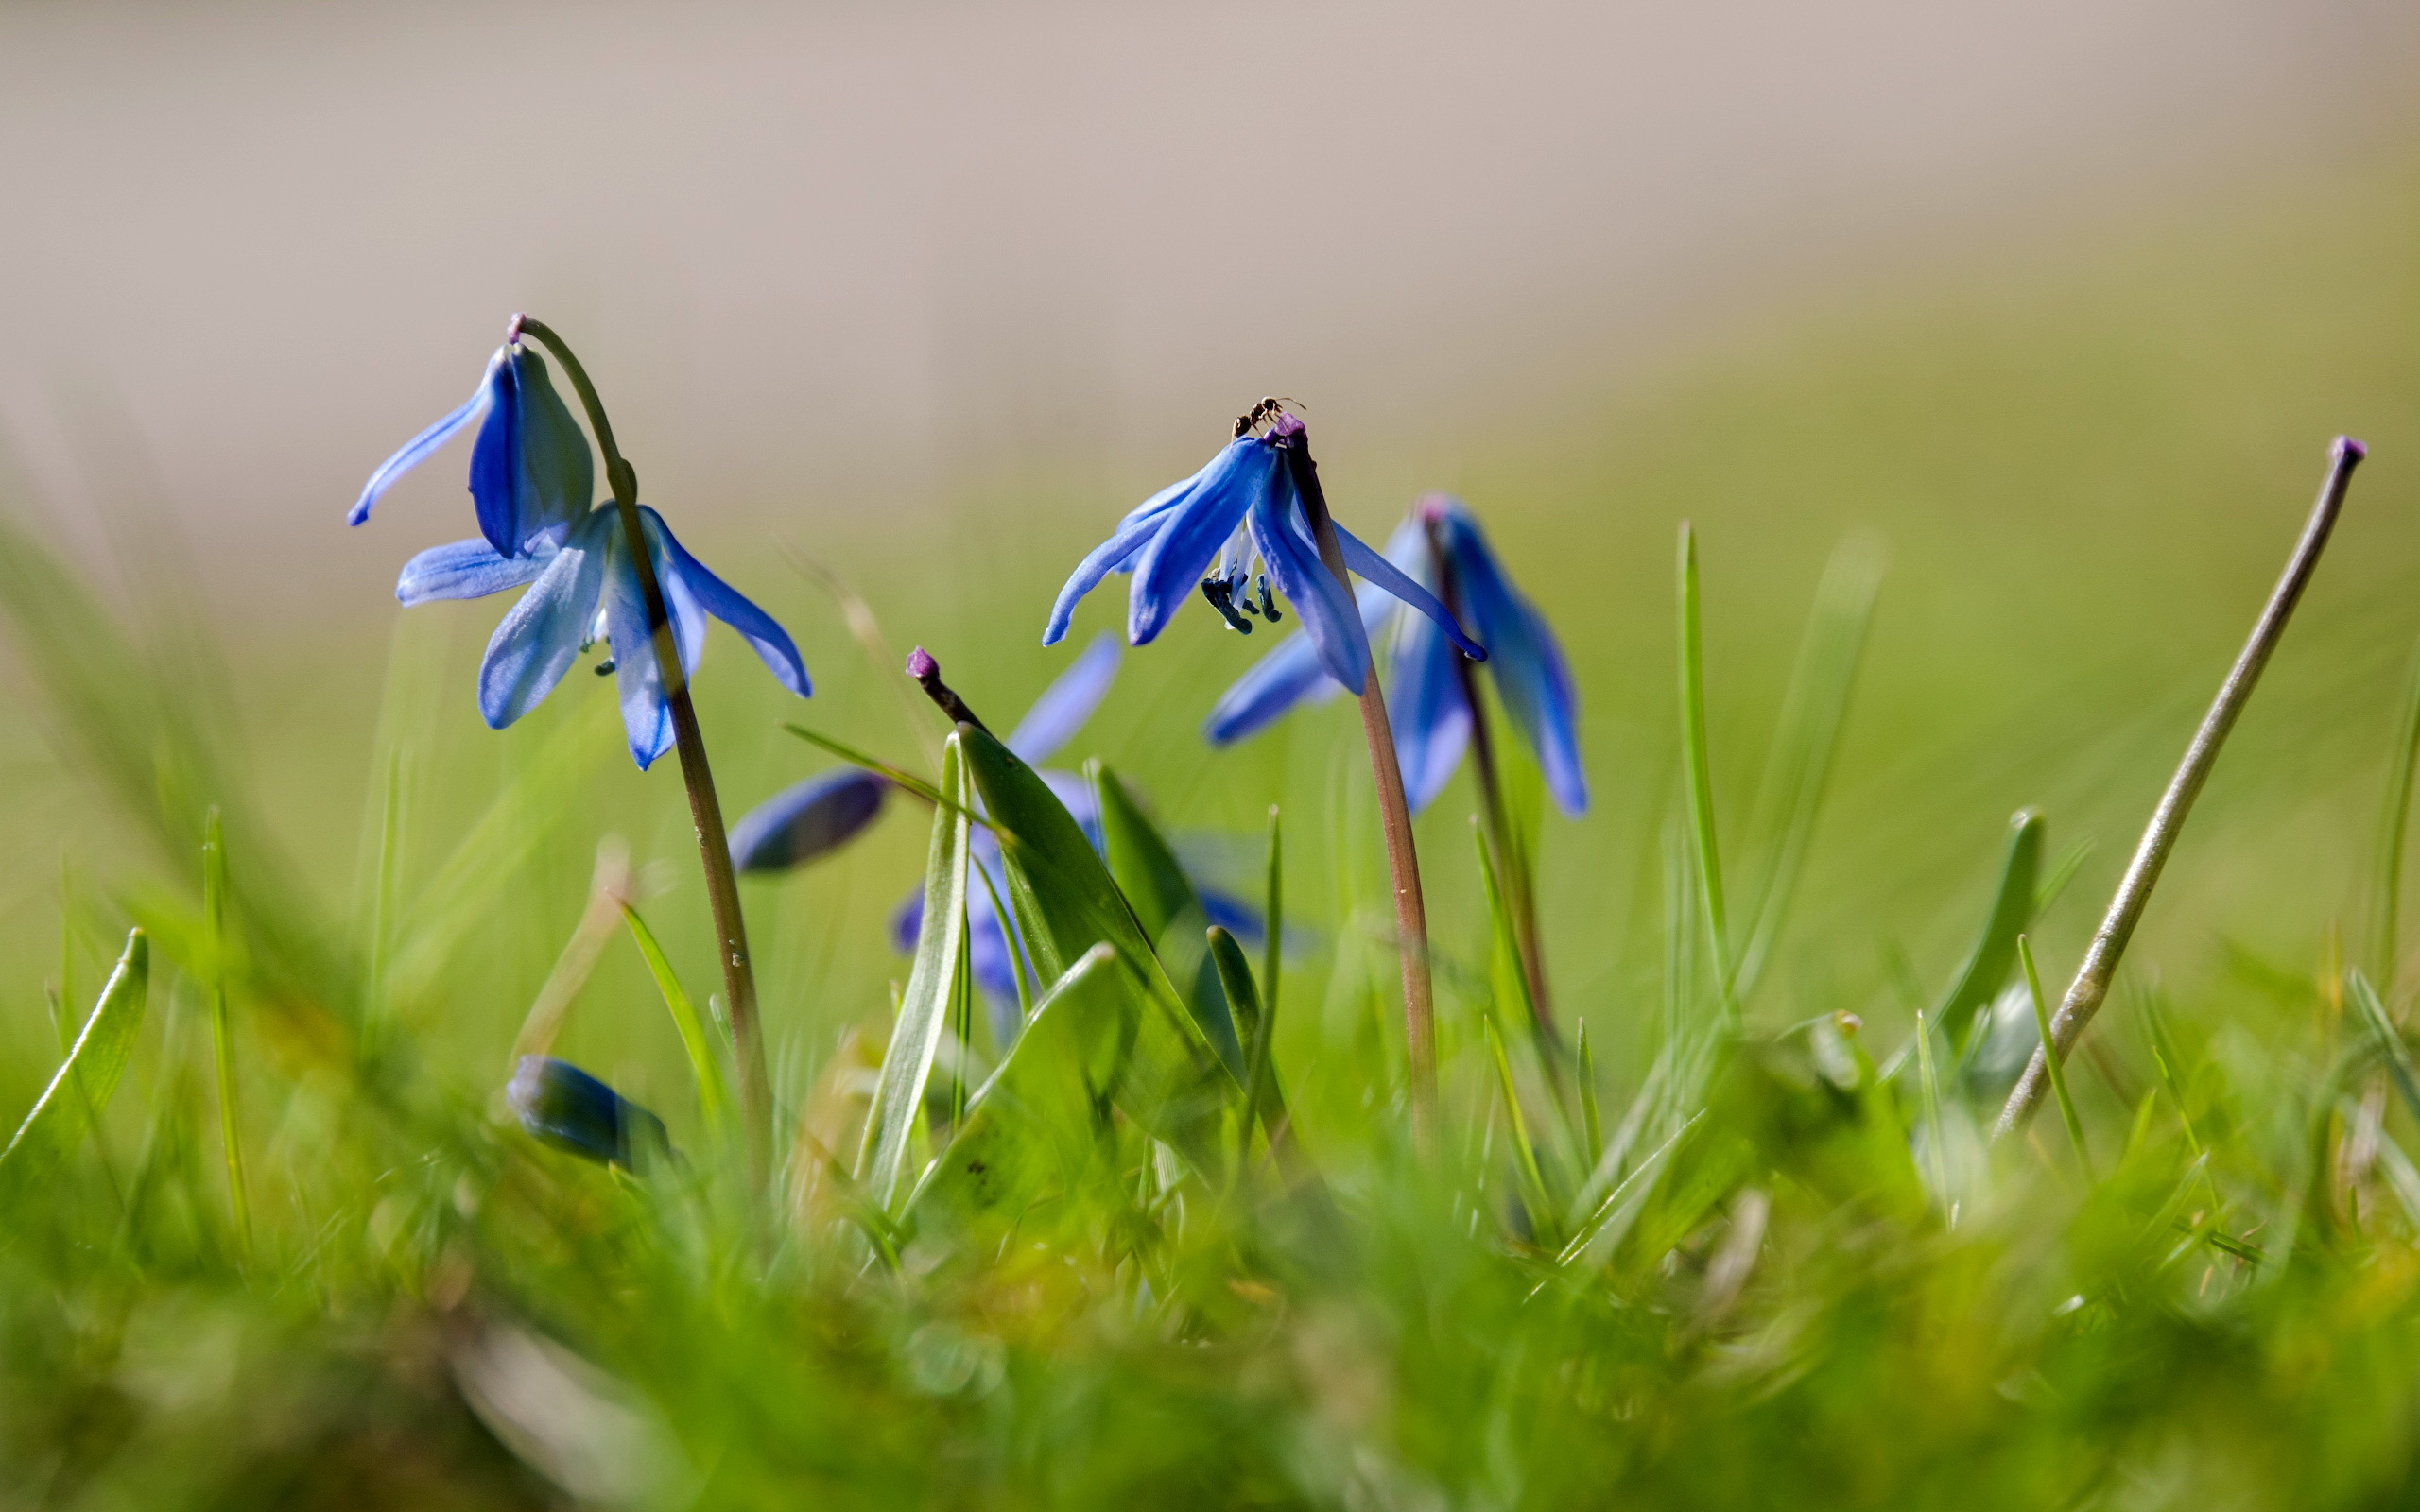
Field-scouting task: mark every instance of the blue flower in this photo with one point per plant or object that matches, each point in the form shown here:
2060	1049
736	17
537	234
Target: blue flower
584	587
1230	530
567	1107
1426	705
531	473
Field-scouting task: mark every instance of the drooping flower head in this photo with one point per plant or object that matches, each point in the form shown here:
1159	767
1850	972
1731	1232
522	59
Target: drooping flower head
1441	546
531	473
565	1106
584	590
1232	529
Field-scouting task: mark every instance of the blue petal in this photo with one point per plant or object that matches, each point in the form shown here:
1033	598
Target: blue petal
1288	676
687	578
466	569
1425	709
1231	914
1067	702
646	714
557	475
1116	554
810	819
1328	612
495	458
1378	570
538	639
1188	541
416	450
1529	672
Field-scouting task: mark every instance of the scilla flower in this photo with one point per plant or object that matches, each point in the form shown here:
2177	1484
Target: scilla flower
1428	706
531	473
584	589
1230	530
567	1107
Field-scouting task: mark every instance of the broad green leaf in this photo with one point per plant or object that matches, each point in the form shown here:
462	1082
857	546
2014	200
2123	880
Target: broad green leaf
923	1007
1067	902
1165	904
85	1079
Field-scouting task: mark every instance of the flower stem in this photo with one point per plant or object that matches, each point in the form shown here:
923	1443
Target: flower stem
1394	814
2117	929
1512	857
705	809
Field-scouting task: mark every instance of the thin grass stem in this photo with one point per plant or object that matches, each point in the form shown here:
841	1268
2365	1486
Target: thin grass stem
2386	891
213	924
2057	1073
1697	770
2099	965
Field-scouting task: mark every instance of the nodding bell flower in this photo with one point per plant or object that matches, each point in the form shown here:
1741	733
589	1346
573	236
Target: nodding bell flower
531	473
584	589
1427	706
565	1106
1231	530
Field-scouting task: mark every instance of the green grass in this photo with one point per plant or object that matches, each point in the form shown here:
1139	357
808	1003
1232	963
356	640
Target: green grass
1764	1254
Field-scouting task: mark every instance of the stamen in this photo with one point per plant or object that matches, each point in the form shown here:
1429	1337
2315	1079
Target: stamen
1269	601
1216	590
605	668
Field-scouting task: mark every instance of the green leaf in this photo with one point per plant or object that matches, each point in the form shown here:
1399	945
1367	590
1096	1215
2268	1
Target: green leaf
2387	1042
85	1079
923	1007
704	1068
1144	869
1067	902
1994	956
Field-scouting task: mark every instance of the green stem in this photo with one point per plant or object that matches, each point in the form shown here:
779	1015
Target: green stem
705	809
1395	814
2387	894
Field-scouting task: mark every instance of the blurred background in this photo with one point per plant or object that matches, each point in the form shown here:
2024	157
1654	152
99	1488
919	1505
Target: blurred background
2060	304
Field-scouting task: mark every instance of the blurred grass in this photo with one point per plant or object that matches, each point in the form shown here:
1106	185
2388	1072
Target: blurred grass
2084	458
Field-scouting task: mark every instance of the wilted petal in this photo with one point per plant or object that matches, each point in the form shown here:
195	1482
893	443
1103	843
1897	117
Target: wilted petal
686	577
1530	673
1329	616
417	449
1116	554
538	639
465	569
564	1106
1188	541
810	819
1067	702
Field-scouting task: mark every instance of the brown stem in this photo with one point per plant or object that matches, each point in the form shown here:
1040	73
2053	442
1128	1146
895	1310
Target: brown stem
2109	943
1511	862
1403	863
705	809
928	674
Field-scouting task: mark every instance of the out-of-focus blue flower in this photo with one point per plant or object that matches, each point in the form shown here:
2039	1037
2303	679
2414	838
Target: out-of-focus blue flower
1426	705
584	589
531	473
1230	530
567	1107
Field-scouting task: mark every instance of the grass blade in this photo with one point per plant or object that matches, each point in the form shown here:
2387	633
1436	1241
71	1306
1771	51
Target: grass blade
2386	887
1696	769
2058	1074
705	1067
1936	1138
2389	1044
2012	913
923	1007
1591	1125
213	952
92	1068
1533	1186
1814	708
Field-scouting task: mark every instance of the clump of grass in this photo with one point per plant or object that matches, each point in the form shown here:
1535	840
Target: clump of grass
1168	1245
